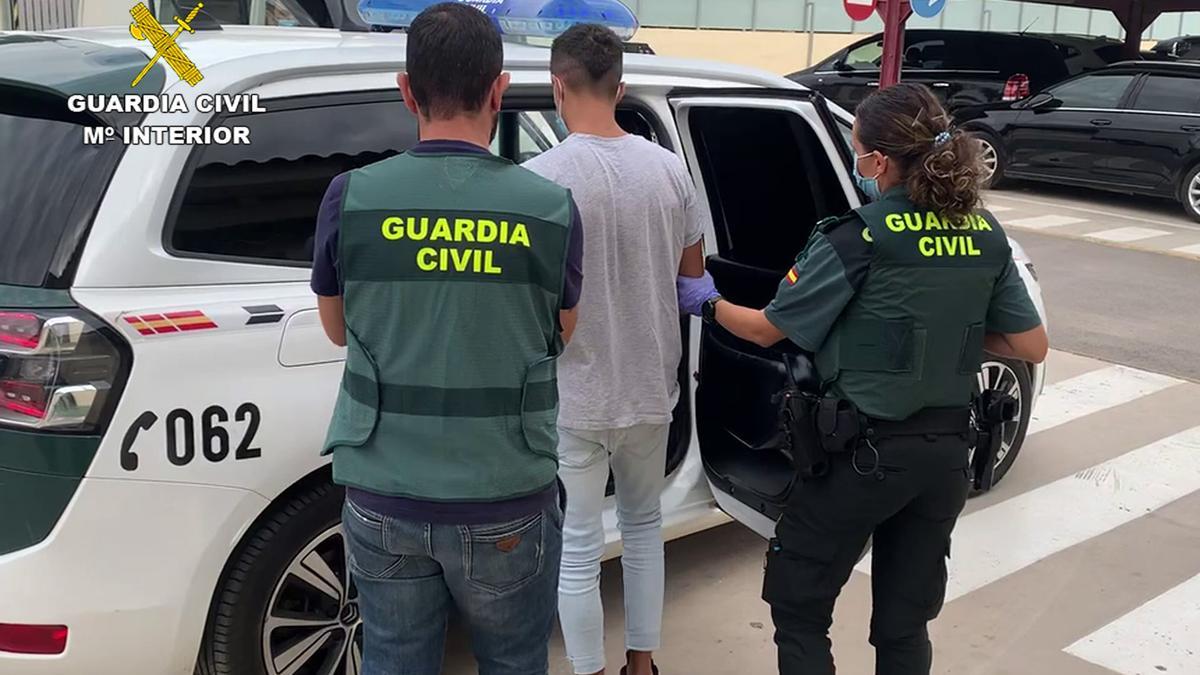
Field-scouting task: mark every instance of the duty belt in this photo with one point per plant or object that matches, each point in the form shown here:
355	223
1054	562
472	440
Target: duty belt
925	422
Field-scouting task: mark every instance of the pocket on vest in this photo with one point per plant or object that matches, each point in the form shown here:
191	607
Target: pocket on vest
882	346
356	413
539	407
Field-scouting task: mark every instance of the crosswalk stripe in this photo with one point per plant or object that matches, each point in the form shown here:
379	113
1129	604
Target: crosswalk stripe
998	208
1043	222
1003	538
1127	234
1159	636
1092	392
1194	249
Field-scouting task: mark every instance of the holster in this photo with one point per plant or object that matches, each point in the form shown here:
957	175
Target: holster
802	442
991	410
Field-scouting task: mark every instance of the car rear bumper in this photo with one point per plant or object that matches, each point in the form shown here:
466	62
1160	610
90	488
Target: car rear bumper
130	570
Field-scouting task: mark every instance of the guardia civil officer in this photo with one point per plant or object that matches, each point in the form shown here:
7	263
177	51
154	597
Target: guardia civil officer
451	275
897	300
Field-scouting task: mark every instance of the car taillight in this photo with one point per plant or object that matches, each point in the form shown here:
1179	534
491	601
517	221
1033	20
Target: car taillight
57	369
1017	87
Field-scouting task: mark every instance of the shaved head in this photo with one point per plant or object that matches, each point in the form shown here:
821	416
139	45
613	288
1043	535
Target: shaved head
588	58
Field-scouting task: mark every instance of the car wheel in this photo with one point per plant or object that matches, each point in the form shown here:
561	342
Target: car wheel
991	155
287	605
1010	377
1189	193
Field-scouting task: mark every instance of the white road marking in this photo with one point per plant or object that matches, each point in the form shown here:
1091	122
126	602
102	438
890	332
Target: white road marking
1100	212
1007	537
1092	392
1194	249
1162	635
997	208
1127	234
1043	222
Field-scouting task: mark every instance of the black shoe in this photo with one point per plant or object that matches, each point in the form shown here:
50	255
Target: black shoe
653	669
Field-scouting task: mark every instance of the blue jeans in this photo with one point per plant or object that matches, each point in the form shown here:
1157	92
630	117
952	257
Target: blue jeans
502	578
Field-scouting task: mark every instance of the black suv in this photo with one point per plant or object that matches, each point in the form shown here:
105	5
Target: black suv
962	67
1133	127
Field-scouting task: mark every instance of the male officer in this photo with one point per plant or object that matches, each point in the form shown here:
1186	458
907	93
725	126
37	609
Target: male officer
619	378
451	275
897	301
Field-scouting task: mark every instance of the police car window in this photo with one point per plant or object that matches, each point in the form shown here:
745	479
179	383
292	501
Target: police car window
766	189
1093	91
259	202
1167	93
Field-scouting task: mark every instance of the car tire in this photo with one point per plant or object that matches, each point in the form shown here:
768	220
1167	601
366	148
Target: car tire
1189	192
1010	376
269	600
991	155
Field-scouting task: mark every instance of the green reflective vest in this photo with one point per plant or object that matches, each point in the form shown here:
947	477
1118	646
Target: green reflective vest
912	337
453	268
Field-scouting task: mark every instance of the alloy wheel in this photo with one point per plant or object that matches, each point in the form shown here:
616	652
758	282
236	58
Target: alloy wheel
1000	377
313	625
1193	193
989	159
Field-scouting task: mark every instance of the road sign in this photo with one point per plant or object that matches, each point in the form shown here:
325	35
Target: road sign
927	8
860	10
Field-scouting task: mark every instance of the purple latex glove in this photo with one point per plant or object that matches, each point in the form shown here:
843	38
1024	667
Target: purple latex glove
694	292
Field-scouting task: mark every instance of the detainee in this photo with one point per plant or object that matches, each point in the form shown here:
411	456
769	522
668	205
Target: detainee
618	379
451	276
897	301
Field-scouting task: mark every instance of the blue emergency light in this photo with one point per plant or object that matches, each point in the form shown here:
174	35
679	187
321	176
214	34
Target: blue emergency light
517	18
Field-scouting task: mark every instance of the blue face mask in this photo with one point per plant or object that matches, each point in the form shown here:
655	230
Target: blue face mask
869	186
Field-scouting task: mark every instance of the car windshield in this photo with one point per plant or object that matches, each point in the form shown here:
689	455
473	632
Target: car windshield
298	13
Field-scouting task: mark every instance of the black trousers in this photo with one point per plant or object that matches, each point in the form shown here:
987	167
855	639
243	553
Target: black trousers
910	503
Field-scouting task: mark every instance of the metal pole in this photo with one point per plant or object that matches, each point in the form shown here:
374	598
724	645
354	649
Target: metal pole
810	15
1054	26
894	14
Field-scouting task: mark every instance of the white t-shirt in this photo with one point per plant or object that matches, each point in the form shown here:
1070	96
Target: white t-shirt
639	210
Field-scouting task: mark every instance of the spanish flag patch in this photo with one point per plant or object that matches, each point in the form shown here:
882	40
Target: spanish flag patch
792	277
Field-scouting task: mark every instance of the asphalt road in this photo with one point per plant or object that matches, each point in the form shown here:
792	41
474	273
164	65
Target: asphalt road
1086	559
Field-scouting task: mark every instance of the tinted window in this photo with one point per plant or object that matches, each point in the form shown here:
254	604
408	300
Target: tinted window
767	189
1169	94
928	54
866	56
1093	91
51	183
259	202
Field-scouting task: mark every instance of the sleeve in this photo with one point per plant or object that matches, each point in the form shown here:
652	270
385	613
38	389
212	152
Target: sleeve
326	275
573	281
697	217
1011	310
826	276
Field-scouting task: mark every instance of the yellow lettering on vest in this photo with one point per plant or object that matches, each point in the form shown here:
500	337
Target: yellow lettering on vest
503	231
982	224
441	231
519	236
913	221
489	266
418	228
427	259
971	250
951	245
486	231
393	228
932	222
464	230
894	222
462	259
926	244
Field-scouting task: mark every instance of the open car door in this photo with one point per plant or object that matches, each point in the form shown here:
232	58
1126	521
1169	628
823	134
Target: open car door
771	164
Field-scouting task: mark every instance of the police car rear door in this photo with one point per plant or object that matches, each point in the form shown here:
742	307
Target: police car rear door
770	164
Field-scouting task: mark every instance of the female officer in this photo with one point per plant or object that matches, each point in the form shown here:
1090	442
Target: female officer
897	301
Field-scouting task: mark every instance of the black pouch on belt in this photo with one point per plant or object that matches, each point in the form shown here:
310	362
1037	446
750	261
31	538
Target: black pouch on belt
798	419
839	425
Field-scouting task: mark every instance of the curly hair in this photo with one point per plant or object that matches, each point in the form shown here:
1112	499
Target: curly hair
940	164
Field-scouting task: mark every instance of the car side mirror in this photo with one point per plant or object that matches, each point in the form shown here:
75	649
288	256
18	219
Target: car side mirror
1043	102
840	64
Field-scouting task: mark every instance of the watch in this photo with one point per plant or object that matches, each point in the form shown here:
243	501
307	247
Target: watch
708	311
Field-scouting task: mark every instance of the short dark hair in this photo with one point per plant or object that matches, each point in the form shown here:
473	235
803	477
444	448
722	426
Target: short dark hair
454	56
588	56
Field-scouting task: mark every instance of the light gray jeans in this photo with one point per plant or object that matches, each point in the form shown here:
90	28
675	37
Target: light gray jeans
637	456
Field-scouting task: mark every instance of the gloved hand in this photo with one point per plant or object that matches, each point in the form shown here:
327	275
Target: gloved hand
694	292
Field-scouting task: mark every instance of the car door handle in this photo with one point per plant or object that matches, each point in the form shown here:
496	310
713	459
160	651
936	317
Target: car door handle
941	85
1190	127
873	84
1101	123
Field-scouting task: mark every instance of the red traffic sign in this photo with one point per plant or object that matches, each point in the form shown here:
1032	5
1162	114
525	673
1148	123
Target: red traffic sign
859	10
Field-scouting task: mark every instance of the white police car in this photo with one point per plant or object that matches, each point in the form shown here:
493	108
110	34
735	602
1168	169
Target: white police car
164	381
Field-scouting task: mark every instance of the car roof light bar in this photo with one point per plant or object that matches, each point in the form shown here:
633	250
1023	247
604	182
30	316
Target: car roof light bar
514	18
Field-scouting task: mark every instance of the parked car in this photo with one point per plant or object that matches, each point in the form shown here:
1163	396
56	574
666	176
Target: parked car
165	384
1133	127
961	67
1185	47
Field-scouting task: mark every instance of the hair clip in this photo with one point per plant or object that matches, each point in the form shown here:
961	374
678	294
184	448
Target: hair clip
941	139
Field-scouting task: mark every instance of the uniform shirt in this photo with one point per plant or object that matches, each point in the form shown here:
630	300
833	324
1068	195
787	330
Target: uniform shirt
831	270
327	281
622	366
